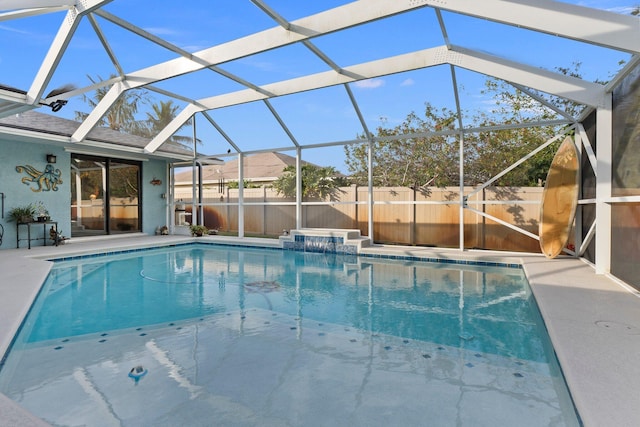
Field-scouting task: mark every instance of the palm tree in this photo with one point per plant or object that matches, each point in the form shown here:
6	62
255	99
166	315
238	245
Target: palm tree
163	113
121	115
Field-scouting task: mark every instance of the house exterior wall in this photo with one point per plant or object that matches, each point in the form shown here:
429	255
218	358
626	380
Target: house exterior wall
154	205
57	201
16	193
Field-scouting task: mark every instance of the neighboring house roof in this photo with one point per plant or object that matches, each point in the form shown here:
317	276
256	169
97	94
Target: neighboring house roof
257	167
51	125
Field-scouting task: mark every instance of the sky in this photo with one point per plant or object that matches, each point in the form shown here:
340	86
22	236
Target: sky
315	117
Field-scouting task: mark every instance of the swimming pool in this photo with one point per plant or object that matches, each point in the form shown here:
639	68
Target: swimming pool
202	334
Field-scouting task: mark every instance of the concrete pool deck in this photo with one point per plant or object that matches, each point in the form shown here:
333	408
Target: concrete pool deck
593	321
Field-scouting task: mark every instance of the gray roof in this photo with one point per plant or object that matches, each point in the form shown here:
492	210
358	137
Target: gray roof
47	125
261	166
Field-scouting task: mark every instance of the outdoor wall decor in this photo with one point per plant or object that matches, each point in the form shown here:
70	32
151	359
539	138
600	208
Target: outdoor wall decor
46	181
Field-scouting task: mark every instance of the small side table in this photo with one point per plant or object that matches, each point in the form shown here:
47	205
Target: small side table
44	237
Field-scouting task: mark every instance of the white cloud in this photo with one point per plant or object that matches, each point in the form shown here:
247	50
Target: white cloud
370	83
13	30
193	47
161	31
605	5
408	82
625	10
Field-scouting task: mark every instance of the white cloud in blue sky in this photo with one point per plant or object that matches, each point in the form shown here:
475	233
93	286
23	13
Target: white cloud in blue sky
369	83
13	30
161	31
620	6
625	10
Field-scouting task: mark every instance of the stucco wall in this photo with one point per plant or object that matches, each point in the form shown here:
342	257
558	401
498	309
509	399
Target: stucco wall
17	193
154	206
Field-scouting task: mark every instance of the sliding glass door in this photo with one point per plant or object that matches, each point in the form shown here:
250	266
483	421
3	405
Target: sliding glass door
124	195
105	196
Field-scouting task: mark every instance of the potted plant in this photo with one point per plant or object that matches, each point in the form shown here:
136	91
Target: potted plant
42	212
22	214
198	230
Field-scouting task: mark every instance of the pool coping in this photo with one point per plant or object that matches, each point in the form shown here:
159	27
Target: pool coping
593	320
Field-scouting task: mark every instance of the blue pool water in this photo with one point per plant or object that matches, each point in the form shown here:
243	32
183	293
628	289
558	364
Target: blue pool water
176	336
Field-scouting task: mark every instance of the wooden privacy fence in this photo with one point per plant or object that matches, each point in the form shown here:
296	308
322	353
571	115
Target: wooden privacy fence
400	215
89	214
